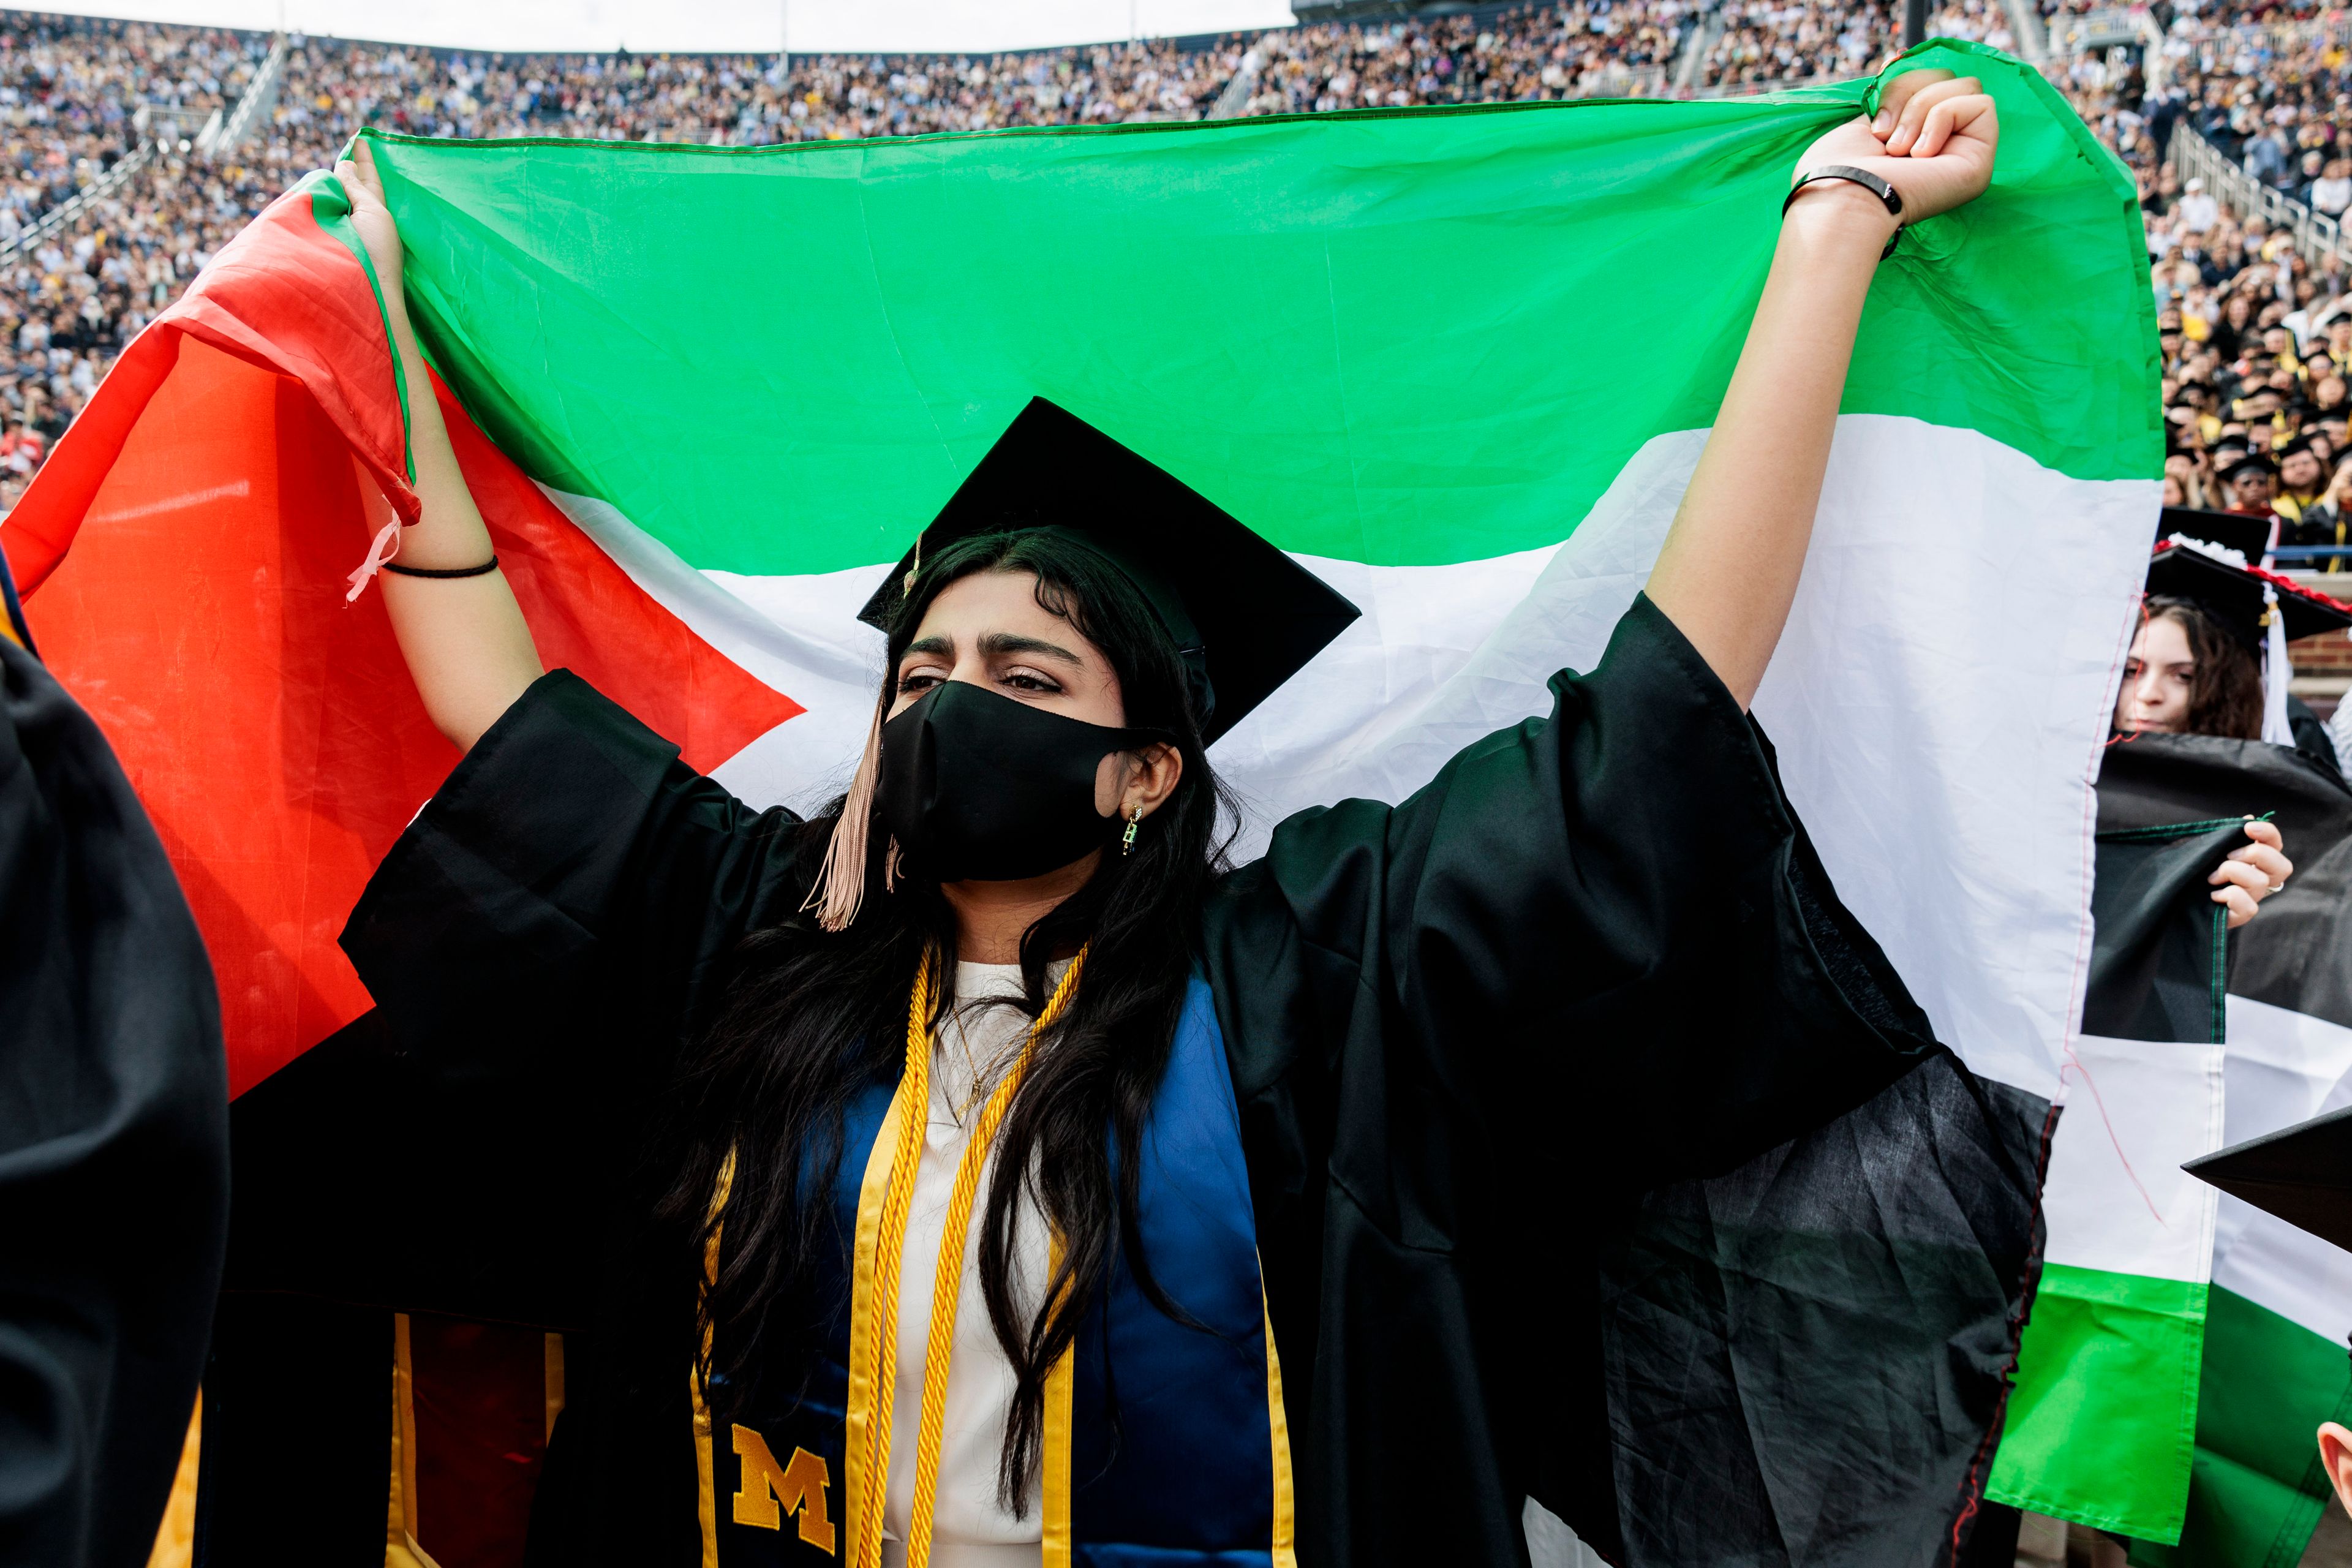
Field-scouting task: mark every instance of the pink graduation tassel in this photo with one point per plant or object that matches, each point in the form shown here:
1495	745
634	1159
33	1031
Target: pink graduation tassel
840	884
385	546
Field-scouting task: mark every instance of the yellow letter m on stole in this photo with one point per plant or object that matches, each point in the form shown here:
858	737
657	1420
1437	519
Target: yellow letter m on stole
798	1487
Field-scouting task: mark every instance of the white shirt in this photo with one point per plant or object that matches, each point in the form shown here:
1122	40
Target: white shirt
974	1047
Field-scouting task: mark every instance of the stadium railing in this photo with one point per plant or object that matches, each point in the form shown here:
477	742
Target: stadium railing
2316	236
2104	28
61	216
259	95
2275	37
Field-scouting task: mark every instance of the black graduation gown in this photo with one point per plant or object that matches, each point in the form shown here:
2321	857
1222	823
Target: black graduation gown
113	1144
1472	1037
2310	736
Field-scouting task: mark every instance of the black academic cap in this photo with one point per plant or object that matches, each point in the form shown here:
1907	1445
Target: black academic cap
2302	1174
2249	536
2249	463
1244	616
2233	595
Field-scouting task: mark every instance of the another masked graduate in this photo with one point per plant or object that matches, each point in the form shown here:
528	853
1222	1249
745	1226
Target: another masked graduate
1000	1177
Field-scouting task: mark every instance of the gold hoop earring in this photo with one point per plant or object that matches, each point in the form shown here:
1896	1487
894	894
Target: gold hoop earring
1126	839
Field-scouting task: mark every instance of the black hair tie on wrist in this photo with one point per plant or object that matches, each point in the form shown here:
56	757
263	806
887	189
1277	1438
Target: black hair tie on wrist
1886	192
483	570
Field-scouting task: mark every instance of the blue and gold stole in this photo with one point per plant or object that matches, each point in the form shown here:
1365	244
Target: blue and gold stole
1193	1465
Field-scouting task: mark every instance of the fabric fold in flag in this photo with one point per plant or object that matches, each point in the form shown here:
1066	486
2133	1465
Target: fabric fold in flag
215	497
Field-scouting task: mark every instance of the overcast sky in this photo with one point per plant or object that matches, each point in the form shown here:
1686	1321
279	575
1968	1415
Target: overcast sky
883	25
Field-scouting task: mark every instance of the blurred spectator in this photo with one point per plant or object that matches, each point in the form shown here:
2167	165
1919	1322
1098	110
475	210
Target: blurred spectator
2198	210
2332	192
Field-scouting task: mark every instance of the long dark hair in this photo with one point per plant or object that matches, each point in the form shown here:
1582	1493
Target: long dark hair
2225	688
811	1020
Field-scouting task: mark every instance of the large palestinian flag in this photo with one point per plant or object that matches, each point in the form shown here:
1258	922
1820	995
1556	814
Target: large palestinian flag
1458	362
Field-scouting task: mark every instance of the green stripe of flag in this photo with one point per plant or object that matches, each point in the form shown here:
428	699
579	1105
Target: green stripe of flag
1412	339
2258	1489
2107	1373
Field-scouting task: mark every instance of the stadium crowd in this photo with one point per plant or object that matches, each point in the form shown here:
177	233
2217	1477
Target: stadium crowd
1561	51
2256	339
79	97
2256	336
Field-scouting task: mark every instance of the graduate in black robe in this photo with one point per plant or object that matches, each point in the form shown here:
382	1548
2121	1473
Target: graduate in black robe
113	1139
2200	566
1491	1055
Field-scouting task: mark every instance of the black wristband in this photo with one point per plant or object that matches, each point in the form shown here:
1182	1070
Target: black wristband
483	570
1886	194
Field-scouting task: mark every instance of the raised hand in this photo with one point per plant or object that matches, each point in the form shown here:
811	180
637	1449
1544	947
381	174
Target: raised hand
1729	571
465	639
1933	140
364	187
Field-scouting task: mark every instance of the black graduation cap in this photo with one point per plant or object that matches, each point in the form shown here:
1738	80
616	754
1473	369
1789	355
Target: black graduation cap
2249	536
2302	1174
2230	594
1244	616
2251	462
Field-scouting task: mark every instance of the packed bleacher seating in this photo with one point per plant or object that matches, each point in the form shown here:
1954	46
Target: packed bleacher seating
1560	51
76	100
79	96
332	90
2255	330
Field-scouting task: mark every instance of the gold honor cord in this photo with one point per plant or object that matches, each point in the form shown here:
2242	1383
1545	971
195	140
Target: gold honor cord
914	1099
705	1465
947	1285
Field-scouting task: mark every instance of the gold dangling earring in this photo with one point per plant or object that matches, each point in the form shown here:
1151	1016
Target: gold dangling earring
1126	839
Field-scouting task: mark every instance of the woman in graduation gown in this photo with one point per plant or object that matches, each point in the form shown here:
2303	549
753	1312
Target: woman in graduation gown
987	1159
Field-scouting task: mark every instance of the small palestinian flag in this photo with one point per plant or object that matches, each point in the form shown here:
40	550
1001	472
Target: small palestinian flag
2169	1381
2100	1426
2279	1303
1458	364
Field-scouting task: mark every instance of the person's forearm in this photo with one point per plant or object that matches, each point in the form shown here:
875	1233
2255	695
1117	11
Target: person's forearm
1728	571
450	531
465	640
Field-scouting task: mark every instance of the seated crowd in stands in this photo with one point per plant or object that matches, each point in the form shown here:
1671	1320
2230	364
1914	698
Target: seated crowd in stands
2256	339
78	97
1559	51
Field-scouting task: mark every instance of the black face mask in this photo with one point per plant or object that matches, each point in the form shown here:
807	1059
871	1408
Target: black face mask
979	786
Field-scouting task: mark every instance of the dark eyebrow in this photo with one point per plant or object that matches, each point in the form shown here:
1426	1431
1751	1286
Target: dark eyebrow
996	644
932	644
